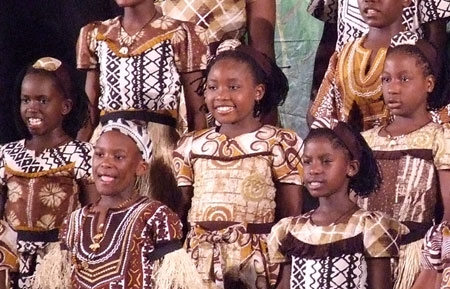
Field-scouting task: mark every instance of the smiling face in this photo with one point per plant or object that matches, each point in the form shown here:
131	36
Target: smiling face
231	93
405	86
116	164
326	168
42	105
382	13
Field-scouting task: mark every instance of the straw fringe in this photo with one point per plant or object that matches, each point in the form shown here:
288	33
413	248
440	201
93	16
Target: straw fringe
408	265
54	270
177	271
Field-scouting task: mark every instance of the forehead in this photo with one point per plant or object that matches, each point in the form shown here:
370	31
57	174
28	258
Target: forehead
400	61
229	66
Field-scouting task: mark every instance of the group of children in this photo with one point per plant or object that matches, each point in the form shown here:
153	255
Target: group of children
90	211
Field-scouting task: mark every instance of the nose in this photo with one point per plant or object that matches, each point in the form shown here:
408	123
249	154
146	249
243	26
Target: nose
314	168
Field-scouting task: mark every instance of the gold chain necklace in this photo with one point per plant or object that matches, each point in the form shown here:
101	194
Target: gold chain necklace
126	41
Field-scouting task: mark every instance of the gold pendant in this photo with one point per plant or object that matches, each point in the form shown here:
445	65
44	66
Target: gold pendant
123	50
94	246
84	265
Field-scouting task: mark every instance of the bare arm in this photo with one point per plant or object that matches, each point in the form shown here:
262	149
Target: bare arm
284	276
92	88
187	192
444	183
2	200
289	200
379	273
426	278
196	118
261	16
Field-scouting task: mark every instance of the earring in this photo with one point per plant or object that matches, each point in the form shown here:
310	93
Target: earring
257	108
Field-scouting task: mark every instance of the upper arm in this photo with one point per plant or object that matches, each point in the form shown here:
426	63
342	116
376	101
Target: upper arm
283	281
92	86
444	184
379	273
436	33
289	200
261	15
194	102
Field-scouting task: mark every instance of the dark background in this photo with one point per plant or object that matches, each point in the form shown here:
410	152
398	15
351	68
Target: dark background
30	29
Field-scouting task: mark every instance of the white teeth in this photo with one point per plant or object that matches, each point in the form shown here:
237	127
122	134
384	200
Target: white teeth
224	109
106	179
314	184
35	121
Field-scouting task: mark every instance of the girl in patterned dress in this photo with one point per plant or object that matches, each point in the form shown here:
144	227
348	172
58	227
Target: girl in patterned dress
140	66
241	176
413	153
337	245
46	175
119	240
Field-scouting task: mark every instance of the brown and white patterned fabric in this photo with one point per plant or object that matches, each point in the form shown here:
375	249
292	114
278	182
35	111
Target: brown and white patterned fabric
350	24
223	19
135	237
333	256
436	252
234	181
41	191
409	191
147	77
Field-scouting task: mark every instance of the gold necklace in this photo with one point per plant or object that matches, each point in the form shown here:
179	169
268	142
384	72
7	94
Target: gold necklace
97	238
126	41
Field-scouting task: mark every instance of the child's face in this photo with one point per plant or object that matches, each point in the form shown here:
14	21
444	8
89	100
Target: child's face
231	93
131	3
42	105
382	13
326	169
116	163
404	85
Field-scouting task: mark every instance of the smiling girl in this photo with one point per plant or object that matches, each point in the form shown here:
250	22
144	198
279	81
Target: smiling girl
241	176
46	175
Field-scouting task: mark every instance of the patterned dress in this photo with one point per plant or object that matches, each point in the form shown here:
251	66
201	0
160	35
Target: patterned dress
409	191
134	238
41	191
223	19
436	252
351	25
351	89
144	82
333	256
234	181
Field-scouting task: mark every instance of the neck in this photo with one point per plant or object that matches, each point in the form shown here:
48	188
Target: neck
233	130
40	142
404	125
381	37
114	201
135	17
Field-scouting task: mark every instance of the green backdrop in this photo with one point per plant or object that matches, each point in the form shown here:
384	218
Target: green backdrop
297	35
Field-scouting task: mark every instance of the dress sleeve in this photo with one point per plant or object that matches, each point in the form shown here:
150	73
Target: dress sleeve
325	10
276	236
165	224
441	148
190	47
324	105
182	161
287	166
431	258
85	48
381	235
432	10
83	164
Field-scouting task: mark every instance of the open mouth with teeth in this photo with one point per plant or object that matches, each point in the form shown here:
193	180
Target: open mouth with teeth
106	179
34	121
224	109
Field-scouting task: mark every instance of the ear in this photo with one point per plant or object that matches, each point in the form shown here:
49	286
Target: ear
66	107
141	168
406	3
260	90
431	82
353	168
